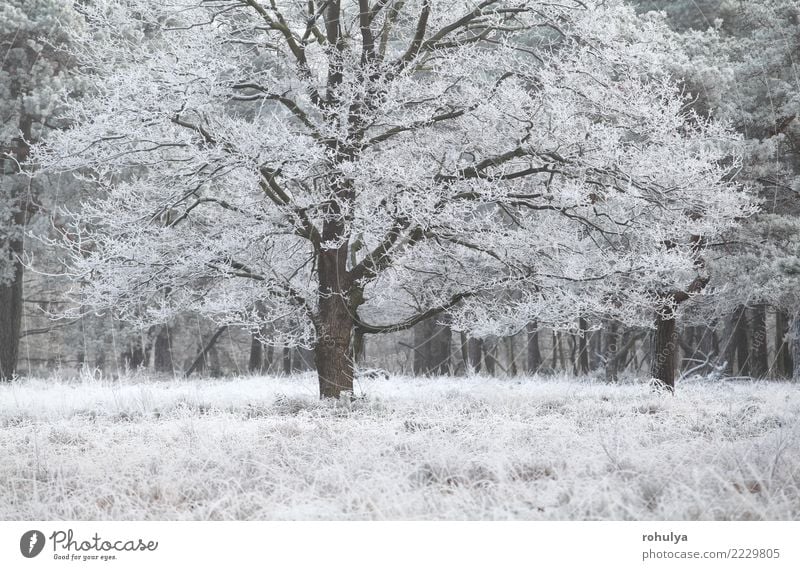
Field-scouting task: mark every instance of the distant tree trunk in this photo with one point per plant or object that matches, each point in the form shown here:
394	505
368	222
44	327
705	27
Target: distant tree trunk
422	363
287	360
582	362
297	361
759	360
358	346
741	343
11	313
464	351
490	355
442	347
255	363
662	366
697	344
783	357
137	354
706	346
162	349
11	291
512	357
611	350
268	357
533	361
727	350
200	361
795	340
432	347
303	359
595	349
474	350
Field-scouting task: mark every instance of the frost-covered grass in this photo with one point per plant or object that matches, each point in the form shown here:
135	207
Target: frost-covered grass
478	448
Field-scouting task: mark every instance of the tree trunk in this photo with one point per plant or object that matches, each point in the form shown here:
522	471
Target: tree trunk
533	361
432	346
759	360
255	363
162	351
474	350
582	363
662	366
795	340
611	350
783	357
423	338
268	358
595	350
11	312
554	355
706	346
200	362
11	291
727	349
297	364
741	343
442	348
512	356
334	321
287	361
359	346
490	355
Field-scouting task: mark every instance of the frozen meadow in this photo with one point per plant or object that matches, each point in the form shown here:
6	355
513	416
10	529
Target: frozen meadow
443	448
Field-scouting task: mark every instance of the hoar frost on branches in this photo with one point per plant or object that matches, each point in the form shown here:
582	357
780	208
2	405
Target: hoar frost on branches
340	168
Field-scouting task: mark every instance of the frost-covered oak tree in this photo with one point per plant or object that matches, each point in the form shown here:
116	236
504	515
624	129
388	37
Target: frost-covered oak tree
329	169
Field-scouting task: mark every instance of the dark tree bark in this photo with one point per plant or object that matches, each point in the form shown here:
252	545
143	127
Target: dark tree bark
665	340
727	349
783	357
11	292
432	346
442	347
162	348
741	343
490	355
137	355
287	360
255	363
611	352
795	346
582	361
662	366
533	361
334	320
11	312
759	360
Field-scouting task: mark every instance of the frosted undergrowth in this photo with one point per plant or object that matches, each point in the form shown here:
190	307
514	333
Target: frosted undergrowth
477	448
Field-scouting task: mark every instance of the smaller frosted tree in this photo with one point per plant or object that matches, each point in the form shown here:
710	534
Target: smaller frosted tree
344	168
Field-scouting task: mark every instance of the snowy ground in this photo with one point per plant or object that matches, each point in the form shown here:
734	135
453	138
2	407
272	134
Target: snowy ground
266	448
